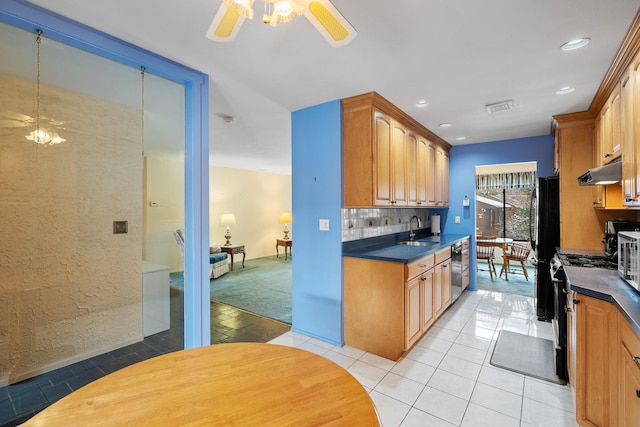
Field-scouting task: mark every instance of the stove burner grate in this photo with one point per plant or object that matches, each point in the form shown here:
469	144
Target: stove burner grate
588	261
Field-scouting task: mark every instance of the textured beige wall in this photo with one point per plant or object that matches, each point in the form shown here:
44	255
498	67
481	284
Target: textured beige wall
69	287
256	199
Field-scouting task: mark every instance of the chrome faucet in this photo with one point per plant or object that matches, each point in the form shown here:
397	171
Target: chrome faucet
411	233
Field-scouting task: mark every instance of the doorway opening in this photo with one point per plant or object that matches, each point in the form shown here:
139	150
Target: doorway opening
506	217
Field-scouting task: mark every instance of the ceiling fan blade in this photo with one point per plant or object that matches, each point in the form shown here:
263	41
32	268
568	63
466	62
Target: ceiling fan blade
329	22
225	25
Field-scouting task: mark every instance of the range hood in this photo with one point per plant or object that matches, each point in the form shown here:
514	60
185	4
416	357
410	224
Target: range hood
604	175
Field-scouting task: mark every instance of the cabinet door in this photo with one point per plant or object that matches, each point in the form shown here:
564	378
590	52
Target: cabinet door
442	284
445	178
431	174
413	302
446	284
442	177
571	341
636	129
629	403
399	165
422	170
412	169
428	313
627	139
382	160
596	362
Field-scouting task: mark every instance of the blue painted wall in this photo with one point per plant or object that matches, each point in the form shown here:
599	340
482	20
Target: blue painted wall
316	138
464	159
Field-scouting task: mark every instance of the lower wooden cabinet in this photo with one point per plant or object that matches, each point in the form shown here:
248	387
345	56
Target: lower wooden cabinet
629	377
596	346
389	306
603	361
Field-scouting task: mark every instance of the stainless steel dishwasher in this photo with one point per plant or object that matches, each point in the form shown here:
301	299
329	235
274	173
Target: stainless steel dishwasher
456	271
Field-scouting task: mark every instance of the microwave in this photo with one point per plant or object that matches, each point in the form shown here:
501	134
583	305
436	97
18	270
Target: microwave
629	257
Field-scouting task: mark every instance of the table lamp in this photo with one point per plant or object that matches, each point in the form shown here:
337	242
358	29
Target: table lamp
227	220
285	218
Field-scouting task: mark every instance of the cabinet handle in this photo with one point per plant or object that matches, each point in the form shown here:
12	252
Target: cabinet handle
636	360
607	155
567	310
576	301
638	392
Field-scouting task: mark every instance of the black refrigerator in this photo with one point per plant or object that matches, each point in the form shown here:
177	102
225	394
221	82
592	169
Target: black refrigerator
545	240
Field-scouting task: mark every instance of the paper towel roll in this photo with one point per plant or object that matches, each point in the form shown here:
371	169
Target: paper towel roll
435	224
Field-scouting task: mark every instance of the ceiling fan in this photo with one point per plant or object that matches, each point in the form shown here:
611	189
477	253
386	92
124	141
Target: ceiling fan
321	13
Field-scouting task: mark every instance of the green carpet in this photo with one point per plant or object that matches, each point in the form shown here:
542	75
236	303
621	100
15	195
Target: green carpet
262	287
516	285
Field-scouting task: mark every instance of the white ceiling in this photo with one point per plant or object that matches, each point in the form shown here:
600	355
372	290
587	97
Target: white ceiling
457	54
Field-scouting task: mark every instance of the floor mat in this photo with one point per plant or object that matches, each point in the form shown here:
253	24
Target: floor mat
526	355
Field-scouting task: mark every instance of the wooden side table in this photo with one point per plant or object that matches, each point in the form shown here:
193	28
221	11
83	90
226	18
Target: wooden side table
232	250
287	243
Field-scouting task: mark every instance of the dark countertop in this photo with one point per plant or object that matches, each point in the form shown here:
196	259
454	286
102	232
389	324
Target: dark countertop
388	248
605	285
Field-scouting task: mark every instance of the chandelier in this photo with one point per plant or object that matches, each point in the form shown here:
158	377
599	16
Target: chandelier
41	135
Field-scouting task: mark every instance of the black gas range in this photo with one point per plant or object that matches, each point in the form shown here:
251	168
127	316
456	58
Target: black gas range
588	261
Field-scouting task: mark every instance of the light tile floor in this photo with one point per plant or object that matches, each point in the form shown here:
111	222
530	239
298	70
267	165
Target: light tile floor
447	380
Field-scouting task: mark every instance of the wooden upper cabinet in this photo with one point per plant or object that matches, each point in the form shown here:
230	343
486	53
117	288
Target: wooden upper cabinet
383	159
635	136
442	177
627	139
431	174
387	157
399	165
412	169
422	168
610	128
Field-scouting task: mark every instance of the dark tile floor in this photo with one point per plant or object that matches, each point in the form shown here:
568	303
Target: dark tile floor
20	401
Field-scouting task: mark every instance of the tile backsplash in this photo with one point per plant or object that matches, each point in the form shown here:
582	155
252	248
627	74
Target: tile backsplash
373	222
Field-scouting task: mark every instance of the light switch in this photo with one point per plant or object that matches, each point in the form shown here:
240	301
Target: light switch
457	219
324	225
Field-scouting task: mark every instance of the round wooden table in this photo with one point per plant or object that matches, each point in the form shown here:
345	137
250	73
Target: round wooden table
240	384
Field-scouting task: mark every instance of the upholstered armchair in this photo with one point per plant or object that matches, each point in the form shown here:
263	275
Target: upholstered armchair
218	261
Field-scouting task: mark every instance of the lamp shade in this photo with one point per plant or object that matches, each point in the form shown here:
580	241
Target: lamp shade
285	218
227	220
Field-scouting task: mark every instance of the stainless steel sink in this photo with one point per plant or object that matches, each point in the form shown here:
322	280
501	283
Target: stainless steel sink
417	243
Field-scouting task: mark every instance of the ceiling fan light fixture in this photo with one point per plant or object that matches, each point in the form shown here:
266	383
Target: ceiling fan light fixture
330	22
243	7
281	11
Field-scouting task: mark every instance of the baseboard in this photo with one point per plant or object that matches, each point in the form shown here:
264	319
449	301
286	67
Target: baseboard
21	376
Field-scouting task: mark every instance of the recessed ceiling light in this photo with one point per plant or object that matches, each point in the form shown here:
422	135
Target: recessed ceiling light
575	44
445	125
461	138
565	90
422	103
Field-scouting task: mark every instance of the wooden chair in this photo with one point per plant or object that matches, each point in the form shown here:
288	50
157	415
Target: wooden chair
485	252
519	253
